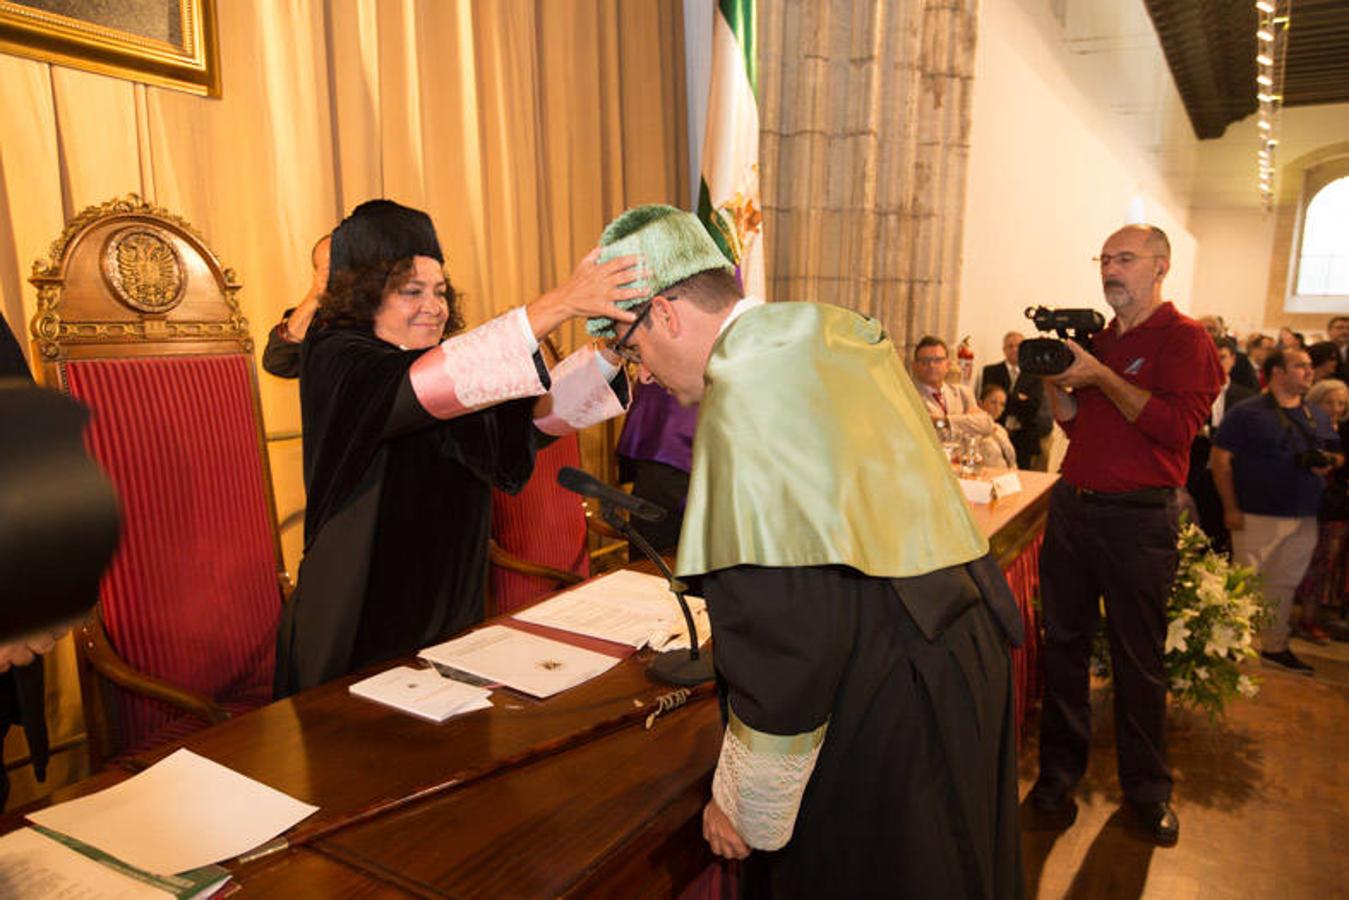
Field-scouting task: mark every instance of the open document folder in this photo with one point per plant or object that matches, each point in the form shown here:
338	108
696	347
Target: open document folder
424	693
182	813
625	607
41	866
517	659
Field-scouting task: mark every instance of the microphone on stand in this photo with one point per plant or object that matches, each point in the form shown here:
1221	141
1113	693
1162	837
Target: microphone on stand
588	485
670	666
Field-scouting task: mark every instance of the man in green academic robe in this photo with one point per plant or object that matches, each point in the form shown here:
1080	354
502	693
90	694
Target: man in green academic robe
860	628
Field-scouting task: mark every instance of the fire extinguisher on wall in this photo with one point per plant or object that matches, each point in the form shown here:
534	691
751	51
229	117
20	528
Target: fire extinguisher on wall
965	358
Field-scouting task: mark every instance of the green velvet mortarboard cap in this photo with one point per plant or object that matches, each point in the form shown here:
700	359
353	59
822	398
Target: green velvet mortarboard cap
673	245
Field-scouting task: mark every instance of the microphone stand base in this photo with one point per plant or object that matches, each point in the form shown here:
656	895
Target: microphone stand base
675	667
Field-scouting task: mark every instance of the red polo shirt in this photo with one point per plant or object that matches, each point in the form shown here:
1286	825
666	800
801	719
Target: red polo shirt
1169	355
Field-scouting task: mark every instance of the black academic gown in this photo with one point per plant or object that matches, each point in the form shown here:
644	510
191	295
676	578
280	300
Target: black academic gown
913	677
398	509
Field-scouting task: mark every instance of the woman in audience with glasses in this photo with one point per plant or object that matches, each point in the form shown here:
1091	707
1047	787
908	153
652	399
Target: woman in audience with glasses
409	422
1324	583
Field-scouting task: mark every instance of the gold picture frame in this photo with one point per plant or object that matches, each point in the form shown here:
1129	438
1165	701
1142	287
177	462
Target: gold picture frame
168	43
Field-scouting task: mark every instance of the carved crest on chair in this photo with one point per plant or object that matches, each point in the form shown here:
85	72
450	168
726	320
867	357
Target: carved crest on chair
141	261
144	269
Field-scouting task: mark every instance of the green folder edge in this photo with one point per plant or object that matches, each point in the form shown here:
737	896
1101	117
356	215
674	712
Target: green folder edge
185	885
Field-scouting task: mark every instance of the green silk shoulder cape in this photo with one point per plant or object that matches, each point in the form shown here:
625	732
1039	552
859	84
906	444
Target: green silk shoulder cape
813	448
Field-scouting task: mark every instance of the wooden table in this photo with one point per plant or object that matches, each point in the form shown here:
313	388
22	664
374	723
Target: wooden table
568	796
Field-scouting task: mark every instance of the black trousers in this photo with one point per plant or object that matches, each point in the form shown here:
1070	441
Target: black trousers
1128	555
1026	443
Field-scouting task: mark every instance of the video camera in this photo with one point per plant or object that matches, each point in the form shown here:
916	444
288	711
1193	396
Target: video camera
1050	356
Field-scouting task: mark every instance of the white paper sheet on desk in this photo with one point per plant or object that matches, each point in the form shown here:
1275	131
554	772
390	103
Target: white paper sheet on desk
625	607
424	693
183	812
33	865
535	665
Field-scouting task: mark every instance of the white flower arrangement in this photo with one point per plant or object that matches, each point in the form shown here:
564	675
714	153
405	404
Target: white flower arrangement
1214	611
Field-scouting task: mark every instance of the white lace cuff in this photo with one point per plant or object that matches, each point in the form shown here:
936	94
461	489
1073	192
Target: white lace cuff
476	368
760	779
581	395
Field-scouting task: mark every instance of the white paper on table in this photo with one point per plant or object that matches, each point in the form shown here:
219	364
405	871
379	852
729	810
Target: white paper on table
977	491
625	607
424	693
183	812
535	665
34	865
1006	484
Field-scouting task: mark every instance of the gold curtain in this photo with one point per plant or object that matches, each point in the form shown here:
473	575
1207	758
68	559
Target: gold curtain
520	126
864	145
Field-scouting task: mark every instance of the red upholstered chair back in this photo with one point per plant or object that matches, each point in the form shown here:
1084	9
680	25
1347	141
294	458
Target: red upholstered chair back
544	524
191	596
138	319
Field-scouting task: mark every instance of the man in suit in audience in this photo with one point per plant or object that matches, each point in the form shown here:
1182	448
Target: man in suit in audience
1026	416
1258	347
1243	371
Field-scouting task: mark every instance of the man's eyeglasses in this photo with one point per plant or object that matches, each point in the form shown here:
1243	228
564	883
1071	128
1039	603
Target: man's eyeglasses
1124	259
929	360
622	347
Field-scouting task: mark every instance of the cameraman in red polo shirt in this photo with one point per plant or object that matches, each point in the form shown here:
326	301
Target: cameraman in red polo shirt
1130	412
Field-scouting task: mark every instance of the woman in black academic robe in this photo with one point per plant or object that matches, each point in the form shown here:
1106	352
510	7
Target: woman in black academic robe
405	435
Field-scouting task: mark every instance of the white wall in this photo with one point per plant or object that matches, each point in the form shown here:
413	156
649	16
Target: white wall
1077	130
1232	270
1237	239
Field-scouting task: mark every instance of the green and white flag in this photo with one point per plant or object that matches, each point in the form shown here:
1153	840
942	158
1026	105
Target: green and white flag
728	201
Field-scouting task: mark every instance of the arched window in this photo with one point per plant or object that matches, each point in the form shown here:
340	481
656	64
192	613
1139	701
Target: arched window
1323	263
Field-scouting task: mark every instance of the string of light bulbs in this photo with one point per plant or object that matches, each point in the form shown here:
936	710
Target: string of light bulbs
1271	53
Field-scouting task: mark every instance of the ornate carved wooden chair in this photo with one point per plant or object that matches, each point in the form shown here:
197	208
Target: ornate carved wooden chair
138	319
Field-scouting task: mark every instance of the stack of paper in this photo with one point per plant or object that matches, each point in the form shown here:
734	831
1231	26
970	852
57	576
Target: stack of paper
182	813
529	663
423	693
625	607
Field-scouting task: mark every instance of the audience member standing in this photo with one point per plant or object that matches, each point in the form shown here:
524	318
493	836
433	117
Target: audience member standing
1323	583
1337	330
1325	360
1026	415
1257	348
1135	408
1208	505
1242	371
1270	459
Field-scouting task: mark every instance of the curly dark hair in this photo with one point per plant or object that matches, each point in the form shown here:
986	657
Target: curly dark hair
354	295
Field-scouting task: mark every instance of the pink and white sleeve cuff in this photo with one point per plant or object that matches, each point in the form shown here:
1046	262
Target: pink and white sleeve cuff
581	395
477	368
